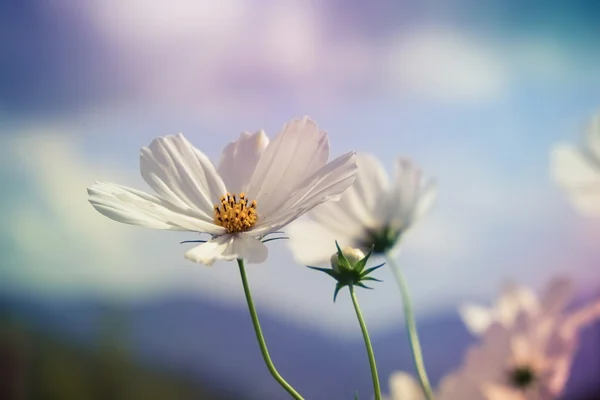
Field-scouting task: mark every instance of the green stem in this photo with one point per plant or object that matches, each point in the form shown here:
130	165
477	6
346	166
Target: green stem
259	336
412	329
365	333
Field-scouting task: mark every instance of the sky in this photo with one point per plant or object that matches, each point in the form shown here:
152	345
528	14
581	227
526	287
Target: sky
475	93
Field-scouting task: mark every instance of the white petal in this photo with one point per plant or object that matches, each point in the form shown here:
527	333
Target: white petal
297	152
312	243
592	137
579	175
325	184
402	200
131	206
181	174
580	318
239	159
404	387
476	318
369	187
426	200
572	168
487	360
228	248
358	208
501	392
515	300
557	296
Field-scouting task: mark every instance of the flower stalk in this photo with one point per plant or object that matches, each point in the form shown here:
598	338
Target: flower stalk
260	338
365	333
412	329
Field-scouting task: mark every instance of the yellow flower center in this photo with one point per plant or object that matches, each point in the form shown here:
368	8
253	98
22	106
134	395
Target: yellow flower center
235	215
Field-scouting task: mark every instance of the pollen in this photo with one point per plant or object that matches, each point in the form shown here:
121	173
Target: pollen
235	215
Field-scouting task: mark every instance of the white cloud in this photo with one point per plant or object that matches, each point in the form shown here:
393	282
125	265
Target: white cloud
445	64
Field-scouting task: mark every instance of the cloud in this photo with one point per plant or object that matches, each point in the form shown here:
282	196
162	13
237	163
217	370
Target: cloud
218	58
446	64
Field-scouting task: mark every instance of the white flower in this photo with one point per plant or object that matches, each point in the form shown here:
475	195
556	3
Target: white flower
520	305
404	386
527	345
577	169
511	364
257	188
372	211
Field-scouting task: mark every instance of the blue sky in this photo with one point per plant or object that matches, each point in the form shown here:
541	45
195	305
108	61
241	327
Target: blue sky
475	94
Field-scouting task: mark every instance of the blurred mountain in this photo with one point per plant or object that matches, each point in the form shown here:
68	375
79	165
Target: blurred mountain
215	346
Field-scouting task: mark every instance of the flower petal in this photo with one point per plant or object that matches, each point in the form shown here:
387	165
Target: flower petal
501	392
579	319
131	206
515	300
403	199
369	187
325	184
404	387
579	175
476	318
426	200
312	243
297	152
239	159
181	174
592	138
358	209
228	248
557	296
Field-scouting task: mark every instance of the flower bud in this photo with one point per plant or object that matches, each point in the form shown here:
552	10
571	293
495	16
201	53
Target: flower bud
352	255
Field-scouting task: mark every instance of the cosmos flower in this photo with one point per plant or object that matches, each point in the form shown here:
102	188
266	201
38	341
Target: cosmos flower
404	386
372	212
257	188
577	169
527	345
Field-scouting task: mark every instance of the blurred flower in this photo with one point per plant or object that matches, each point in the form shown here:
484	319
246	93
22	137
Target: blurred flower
276	182
520	305
515	364
527	345
577	169
348	268
513	301
404	387
372	212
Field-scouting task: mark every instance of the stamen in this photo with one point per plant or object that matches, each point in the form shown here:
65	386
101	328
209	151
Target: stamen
234	215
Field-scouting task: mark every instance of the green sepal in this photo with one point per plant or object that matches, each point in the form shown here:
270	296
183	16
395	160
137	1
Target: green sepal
360	265
369	270
362	285
332	273
343	262
338	287
370	278
356	395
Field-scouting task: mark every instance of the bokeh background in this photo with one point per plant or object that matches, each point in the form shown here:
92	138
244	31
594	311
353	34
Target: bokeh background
475	92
